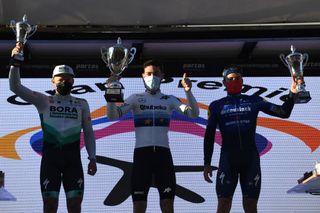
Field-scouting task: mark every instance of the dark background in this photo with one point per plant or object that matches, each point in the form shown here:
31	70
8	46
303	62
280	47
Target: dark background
202	51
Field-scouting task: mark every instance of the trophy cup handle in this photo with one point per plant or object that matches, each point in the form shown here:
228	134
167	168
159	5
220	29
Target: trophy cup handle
305	59
132	53
13	26
24	18
103	51
283	59
33	30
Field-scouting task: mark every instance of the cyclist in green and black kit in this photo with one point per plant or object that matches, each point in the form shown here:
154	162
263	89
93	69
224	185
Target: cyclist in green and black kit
62	118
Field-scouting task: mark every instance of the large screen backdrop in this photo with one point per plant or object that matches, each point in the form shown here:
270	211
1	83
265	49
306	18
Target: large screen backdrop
288	148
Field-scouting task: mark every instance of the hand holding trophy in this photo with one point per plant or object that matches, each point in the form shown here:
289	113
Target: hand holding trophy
295	62
117	59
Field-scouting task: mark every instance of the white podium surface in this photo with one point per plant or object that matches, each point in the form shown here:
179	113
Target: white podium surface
5	195
312	186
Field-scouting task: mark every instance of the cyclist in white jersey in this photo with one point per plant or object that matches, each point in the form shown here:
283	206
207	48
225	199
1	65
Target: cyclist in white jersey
62	118
152	157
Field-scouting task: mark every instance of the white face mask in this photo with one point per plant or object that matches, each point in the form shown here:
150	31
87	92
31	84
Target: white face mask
152	83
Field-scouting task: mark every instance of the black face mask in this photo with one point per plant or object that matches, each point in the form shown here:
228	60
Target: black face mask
64	88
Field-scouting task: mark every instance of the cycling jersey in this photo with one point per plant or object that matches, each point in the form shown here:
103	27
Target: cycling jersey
152	114
152	156
62	117
236	117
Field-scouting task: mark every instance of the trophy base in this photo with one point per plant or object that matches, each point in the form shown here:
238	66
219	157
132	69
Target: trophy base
114	95
303	97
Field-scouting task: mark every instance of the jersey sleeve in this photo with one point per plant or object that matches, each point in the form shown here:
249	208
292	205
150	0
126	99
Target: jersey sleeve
208	143
35	98
187	110
282	111
191	110
178	105
89	138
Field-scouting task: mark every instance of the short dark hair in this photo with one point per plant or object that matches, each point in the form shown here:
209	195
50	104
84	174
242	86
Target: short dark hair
151	62
231	69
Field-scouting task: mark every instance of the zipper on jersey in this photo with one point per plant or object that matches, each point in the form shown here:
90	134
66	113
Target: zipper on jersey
238	122
153	123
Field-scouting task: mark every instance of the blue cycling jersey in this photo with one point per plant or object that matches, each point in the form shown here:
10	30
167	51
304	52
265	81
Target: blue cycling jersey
236	118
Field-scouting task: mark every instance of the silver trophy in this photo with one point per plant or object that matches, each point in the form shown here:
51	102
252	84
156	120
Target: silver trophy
117	59
23	31
295	62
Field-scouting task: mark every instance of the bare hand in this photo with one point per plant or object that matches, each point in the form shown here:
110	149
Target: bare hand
186	82
207	173
92	167
17	49
295	82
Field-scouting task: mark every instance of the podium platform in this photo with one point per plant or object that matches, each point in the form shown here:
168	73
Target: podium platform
5	195
311	186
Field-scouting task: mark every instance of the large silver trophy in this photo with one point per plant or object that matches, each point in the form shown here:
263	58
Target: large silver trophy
23	31
117	59
295	62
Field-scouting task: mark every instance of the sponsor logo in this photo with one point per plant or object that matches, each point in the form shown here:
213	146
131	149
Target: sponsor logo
233	109
165	97
63	112
167	190
45	183
141	100
152	107
221	177
80	182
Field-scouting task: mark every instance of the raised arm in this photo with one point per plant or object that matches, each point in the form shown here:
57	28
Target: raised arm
23	92
192	110
114	112
284	110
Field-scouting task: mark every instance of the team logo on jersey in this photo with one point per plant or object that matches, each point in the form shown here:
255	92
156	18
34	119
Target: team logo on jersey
153	107
63	109
233	109
165	97
142	100
63	112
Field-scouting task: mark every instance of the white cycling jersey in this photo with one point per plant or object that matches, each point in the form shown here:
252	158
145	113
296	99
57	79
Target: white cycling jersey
62	117
152	114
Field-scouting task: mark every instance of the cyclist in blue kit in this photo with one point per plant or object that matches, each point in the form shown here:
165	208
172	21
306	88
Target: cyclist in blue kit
152	157
62	118
236	116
